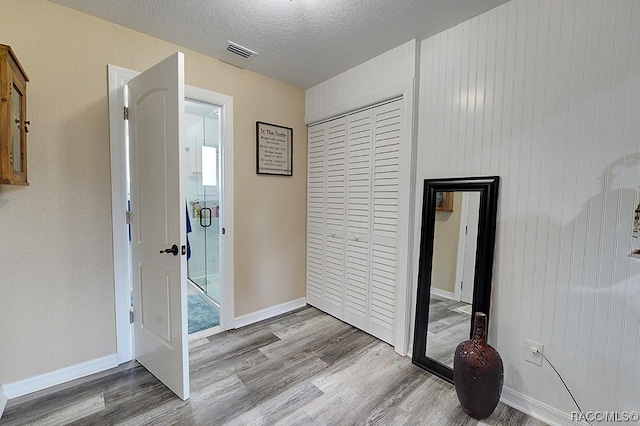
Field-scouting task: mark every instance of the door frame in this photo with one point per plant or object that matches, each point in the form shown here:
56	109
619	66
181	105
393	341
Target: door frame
118	78
463	239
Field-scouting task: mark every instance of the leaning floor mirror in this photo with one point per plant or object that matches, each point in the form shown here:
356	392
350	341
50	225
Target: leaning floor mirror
456	262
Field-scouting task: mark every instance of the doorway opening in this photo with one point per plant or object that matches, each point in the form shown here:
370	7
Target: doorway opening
203	189
203	192
224	274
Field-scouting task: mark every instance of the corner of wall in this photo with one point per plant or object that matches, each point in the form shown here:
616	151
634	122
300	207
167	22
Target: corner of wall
3	401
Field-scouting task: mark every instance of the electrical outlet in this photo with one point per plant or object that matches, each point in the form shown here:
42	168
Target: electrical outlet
532	352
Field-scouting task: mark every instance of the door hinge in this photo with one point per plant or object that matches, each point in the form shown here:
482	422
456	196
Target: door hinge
128	217
131	317
222	231
126	113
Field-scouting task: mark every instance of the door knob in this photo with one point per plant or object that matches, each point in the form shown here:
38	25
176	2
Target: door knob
173	250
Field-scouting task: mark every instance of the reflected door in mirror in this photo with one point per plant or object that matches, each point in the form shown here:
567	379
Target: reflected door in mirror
452	276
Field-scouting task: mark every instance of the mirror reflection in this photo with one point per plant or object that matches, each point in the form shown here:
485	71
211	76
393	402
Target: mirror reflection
452	274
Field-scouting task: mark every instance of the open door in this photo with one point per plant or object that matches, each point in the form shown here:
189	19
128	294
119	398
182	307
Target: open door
158	234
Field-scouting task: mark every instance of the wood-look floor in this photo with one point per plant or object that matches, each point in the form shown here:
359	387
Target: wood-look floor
302	368
448	326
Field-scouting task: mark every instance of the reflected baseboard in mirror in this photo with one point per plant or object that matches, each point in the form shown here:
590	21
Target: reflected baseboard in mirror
455	268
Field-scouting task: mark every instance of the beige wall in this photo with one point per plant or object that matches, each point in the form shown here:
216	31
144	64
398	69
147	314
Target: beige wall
56	263
445	247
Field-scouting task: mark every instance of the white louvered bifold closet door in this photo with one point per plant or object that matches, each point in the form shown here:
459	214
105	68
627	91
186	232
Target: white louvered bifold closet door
384	232
356	308
316	194
352	219
336	181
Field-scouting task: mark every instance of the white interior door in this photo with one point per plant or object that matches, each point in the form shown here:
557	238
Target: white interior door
156	117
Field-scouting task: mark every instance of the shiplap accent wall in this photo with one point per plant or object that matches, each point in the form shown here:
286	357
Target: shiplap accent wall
364	85
546	94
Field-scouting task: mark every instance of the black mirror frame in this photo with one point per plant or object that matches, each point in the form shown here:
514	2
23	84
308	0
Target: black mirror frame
488	188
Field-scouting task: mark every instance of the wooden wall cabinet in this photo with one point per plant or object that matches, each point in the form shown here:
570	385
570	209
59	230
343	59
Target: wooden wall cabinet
13	121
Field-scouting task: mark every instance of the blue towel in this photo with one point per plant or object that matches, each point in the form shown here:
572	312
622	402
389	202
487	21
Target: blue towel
188	230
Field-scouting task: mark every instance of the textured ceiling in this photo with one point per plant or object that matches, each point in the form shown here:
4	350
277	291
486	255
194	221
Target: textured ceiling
300	42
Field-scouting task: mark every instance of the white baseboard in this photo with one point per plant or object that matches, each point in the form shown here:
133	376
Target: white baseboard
3	402
271	312
47	380
34	384
537	409
443	293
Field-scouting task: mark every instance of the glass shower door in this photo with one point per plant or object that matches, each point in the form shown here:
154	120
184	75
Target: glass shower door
203	196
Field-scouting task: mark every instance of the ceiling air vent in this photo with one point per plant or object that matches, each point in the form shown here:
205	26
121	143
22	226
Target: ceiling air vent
241	51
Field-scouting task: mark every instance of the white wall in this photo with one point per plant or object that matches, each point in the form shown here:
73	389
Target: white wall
546	94
367	83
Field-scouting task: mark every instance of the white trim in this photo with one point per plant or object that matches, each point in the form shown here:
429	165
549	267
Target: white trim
388	93
3	401
443	293
271	312
534	408
118	77
462	244
204	333
34	384
405	224
414	212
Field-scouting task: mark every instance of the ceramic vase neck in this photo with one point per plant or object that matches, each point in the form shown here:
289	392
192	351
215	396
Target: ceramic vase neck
480	328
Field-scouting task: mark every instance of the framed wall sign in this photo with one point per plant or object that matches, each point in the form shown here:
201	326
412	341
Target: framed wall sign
274	148
444	201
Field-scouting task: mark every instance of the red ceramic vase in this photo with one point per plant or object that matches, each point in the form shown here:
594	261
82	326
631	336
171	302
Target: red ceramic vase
478	372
